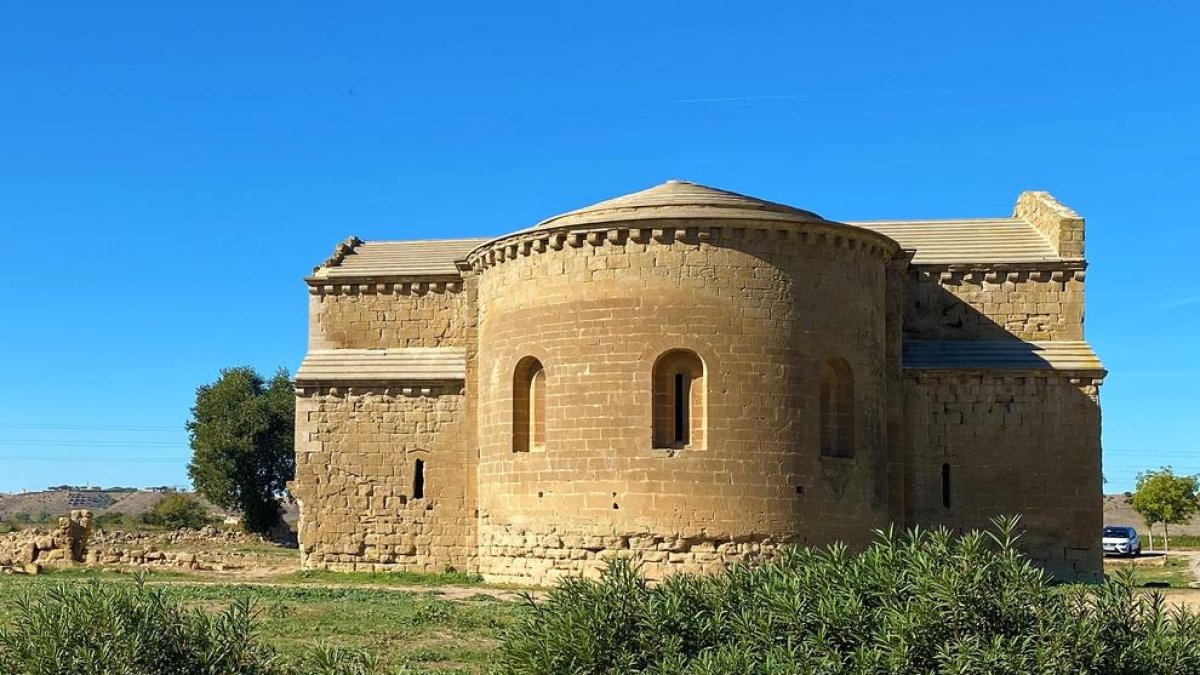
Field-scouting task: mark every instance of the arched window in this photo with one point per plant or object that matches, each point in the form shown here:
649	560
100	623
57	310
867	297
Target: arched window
679	392
529	406
837	409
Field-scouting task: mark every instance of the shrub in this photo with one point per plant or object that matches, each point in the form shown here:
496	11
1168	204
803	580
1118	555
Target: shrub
924	602
131	628
111	520
100	627
178	510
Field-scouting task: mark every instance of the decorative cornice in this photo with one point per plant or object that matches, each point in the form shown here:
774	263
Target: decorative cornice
385	286
342	388
665	232
998	273
1079	378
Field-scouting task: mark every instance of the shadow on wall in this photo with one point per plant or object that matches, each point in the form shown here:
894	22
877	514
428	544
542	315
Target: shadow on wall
993	429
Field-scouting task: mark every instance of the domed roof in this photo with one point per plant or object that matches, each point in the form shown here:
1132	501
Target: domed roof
680	199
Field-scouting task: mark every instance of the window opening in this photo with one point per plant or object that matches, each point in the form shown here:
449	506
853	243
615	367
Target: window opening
678	400
946	485
529	406
419	479
682	403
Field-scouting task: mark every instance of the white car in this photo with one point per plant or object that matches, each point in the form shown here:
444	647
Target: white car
1121	540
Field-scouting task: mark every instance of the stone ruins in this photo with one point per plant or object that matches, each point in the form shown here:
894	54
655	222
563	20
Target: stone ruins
693	377
75	542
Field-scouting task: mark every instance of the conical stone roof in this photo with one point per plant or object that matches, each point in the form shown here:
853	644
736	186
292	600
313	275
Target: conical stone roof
680	199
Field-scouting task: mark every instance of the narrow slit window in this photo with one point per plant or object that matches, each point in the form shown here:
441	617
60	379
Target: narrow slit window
678	400
682	401
419	479
946	486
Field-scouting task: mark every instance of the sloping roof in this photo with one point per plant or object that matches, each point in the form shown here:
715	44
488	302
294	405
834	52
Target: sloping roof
435	257
998	355
383	365
680	199
977	240
983	240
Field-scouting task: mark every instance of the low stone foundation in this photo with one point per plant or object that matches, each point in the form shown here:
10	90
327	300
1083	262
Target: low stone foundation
516	555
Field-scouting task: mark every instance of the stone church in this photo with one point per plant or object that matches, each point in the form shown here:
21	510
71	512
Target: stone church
692	377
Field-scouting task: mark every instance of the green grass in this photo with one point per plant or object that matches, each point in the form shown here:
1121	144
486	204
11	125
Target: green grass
103	573
398	578
417	630
1180	541
1176	573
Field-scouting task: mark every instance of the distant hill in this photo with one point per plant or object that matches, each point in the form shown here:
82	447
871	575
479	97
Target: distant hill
49	504
53	503
1118	512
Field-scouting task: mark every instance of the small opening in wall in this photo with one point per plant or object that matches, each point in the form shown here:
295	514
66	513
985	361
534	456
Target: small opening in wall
678	397
682	399
799	489
419	479
540	495
615	507
946	485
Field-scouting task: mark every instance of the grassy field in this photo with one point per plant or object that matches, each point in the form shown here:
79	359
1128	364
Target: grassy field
409	631
1175	573
449	623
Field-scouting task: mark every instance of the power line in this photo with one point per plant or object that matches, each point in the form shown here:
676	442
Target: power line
87	427
131	460
58	443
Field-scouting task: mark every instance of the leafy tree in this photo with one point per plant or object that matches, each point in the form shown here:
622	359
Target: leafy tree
242	430
178	510
1163	497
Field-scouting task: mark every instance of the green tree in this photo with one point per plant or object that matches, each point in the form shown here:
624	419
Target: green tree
178	510
242	430
1163	497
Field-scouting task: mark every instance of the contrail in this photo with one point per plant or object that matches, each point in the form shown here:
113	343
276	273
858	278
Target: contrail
826	94
1176	304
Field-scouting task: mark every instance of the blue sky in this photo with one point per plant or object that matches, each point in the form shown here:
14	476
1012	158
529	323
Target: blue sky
169	172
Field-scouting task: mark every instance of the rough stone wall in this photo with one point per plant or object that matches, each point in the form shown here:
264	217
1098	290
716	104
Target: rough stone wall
1062	226
763	309
27	550
982	304
1025	444
382	316
356	453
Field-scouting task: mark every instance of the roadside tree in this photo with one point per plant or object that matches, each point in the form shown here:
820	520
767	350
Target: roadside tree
1164	497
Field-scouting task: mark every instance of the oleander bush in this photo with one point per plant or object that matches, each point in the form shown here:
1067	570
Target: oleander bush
123	628
920	602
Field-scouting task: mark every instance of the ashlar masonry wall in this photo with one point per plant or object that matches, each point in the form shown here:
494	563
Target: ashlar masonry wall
989	443
387	315
358	444
991	304
763	309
